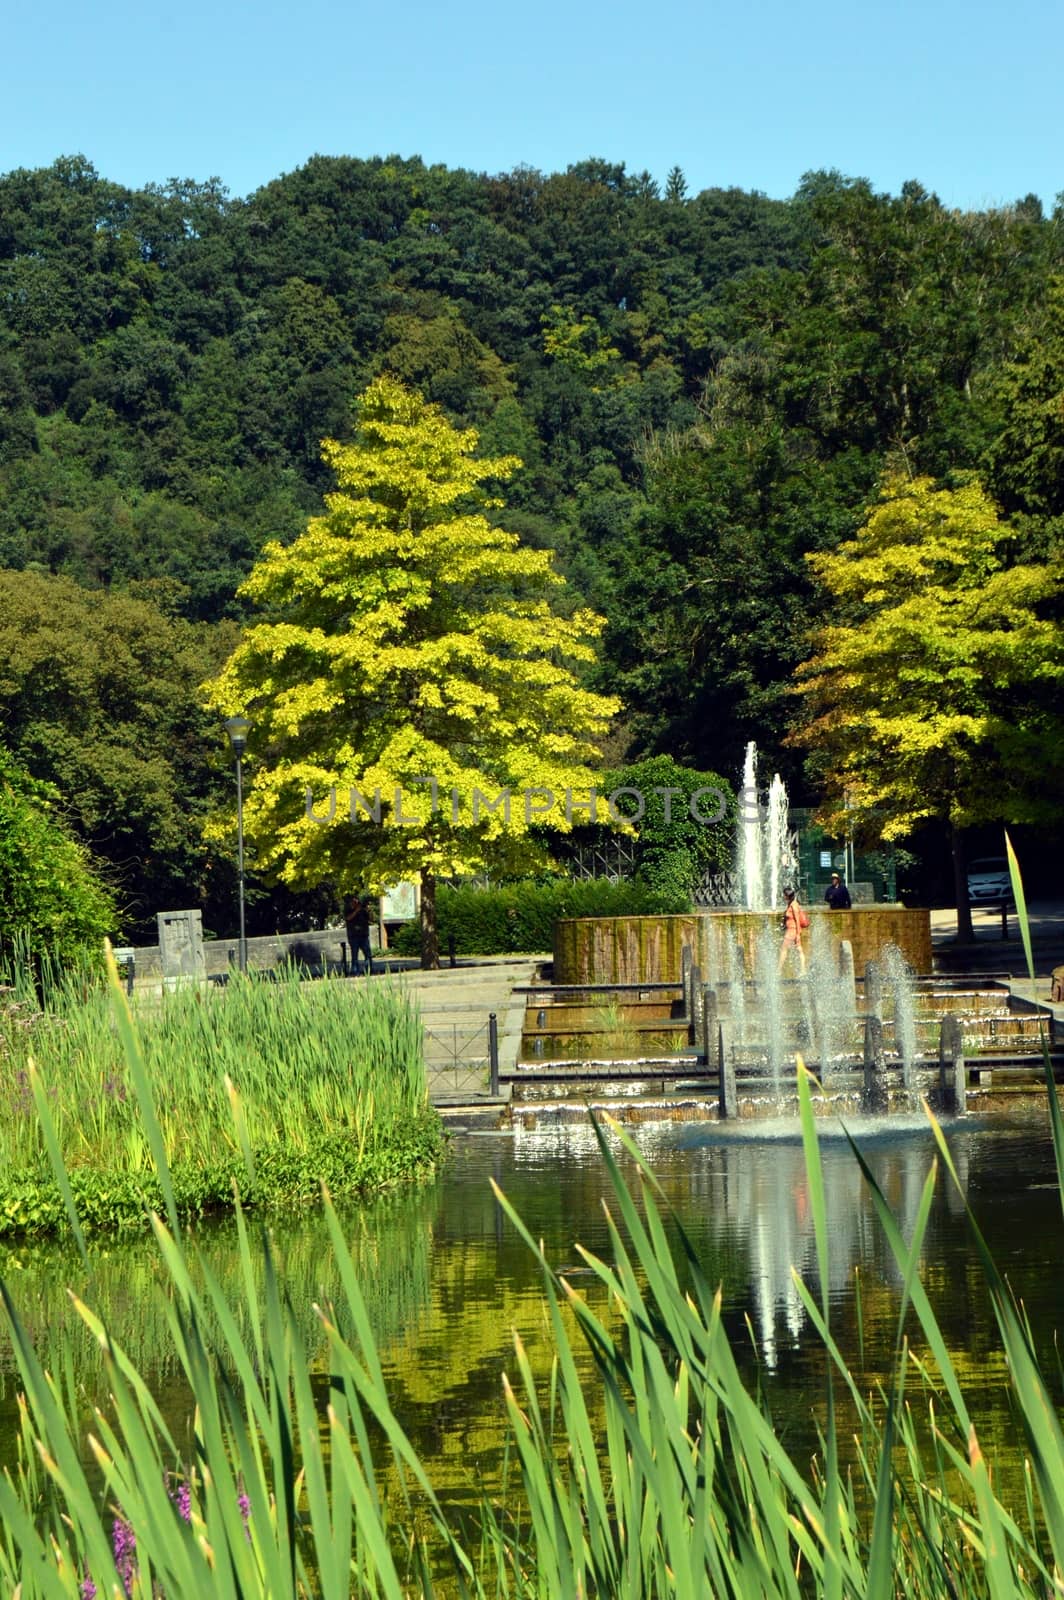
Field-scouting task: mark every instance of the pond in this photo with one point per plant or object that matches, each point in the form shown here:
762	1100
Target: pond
447	1279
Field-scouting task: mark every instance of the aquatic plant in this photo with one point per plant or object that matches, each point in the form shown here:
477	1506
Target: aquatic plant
614	1034
329	1078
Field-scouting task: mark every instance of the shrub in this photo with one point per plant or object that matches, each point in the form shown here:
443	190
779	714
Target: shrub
673	847
520	917
53	903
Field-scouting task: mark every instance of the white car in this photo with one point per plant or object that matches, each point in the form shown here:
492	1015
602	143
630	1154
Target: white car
989	882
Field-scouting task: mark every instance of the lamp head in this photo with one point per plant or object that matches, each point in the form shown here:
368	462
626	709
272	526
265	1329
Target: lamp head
237	729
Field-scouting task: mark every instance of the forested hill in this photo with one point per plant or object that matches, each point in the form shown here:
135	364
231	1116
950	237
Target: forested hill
702	388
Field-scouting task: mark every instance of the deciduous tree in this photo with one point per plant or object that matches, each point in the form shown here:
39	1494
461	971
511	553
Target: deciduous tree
411	669
98	700
53	901
936	691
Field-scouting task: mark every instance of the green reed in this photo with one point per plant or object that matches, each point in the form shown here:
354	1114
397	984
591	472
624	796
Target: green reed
326	1074
665	1477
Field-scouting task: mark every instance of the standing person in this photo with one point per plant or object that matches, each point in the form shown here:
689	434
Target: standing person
356	918
794	922
836	894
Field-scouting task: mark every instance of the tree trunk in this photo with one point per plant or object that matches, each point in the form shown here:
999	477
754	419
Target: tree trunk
430	940
965	931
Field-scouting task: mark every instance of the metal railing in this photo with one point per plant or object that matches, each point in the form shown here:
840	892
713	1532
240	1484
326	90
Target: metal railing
470	1061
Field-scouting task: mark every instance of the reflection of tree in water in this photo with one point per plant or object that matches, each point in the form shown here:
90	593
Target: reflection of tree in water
389	1238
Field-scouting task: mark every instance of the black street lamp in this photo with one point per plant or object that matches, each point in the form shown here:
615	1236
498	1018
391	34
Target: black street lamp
237	729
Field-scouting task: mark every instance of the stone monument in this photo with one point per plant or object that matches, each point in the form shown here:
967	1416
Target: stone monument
181	948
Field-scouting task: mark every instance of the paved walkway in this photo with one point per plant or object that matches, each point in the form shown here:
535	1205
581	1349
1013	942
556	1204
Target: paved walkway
988	952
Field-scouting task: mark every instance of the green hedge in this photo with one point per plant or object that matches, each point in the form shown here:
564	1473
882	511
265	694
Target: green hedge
521	916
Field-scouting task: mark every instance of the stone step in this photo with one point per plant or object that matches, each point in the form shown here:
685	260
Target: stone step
473	970
460	1008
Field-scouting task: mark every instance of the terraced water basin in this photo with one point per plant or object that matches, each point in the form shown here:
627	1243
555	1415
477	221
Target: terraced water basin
627	1022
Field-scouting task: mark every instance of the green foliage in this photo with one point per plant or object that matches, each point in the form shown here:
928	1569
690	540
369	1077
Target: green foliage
1025	458
54	903
98	694
676	846
415	643
115	1201
708	614
521	916
935	691
330	1081
703	389
680	824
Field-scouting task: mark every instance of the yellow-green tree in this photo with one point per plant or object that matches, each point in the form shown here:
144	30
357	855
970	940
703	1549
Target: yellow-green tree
411	688
934	691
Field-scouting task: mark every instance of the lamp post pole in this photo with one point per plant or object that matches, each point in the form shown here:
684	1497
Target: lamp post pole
237	729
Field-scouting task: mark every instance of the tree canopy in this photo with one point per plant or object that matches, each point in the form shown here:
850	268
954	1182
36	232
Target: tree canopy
54	905
99	699
412	670
703	389
935	690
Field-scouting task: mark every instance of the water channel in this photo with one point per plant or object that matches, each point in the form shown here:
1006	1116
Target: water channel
447	1279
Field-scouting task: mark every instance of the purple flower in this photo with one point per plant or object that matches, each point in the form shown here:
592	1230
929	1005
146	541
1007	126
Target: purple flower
124	1546
183	1501
88	1589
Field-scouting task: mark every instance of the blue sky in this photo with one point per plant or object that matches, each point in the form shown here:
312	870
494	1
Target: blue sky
966	97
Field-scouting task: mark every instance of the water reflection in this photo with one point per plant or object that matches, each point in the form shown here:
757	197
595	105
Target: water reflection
389	1242
744	1198
447	1280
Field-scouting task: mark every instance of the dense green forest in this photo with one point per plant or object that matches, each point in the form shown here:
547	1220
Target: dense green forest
703	389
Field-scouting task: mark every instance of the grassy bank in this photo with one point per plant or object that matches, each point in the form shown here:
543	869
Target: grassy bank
327	1078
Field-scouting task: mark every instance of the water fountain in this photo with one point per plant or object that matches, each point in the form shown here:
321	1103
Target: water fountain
859	1014
764	858
632	950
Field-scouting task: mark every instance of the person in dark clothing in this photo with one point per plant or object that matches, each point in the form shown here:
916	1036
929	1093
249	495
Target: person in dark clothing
356	919
837	895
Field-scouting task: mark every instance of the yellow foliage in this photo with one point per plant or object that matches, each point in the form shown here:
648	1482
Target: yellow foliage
408	638
935	689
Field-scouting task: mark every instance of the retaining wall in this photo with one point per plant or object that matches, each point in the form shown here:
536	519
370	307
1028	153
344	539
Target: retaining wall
318	949
648	949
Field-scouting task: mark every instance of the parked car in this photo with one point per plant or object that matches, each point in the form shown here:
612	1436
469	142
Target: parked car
989	882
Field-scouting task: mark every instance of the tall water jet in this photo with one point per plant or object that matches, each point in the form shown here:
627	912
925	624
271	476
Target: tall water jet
830	989
748	852
763	856
737	980
900	982
769	992
777	839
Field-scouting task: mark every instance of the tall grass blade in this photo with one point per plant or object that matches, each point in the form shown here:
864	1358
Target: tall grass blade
1021	904
55	1157
818	1208
141	1087
1056	1118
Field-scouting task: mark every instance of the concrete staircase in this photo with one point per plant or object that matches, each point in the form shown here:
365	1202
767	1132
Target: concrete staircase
455	1005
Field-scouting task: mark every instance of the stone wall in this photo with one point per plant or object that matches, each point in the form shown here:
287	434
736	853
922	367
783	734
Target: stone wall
318	950
648	949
